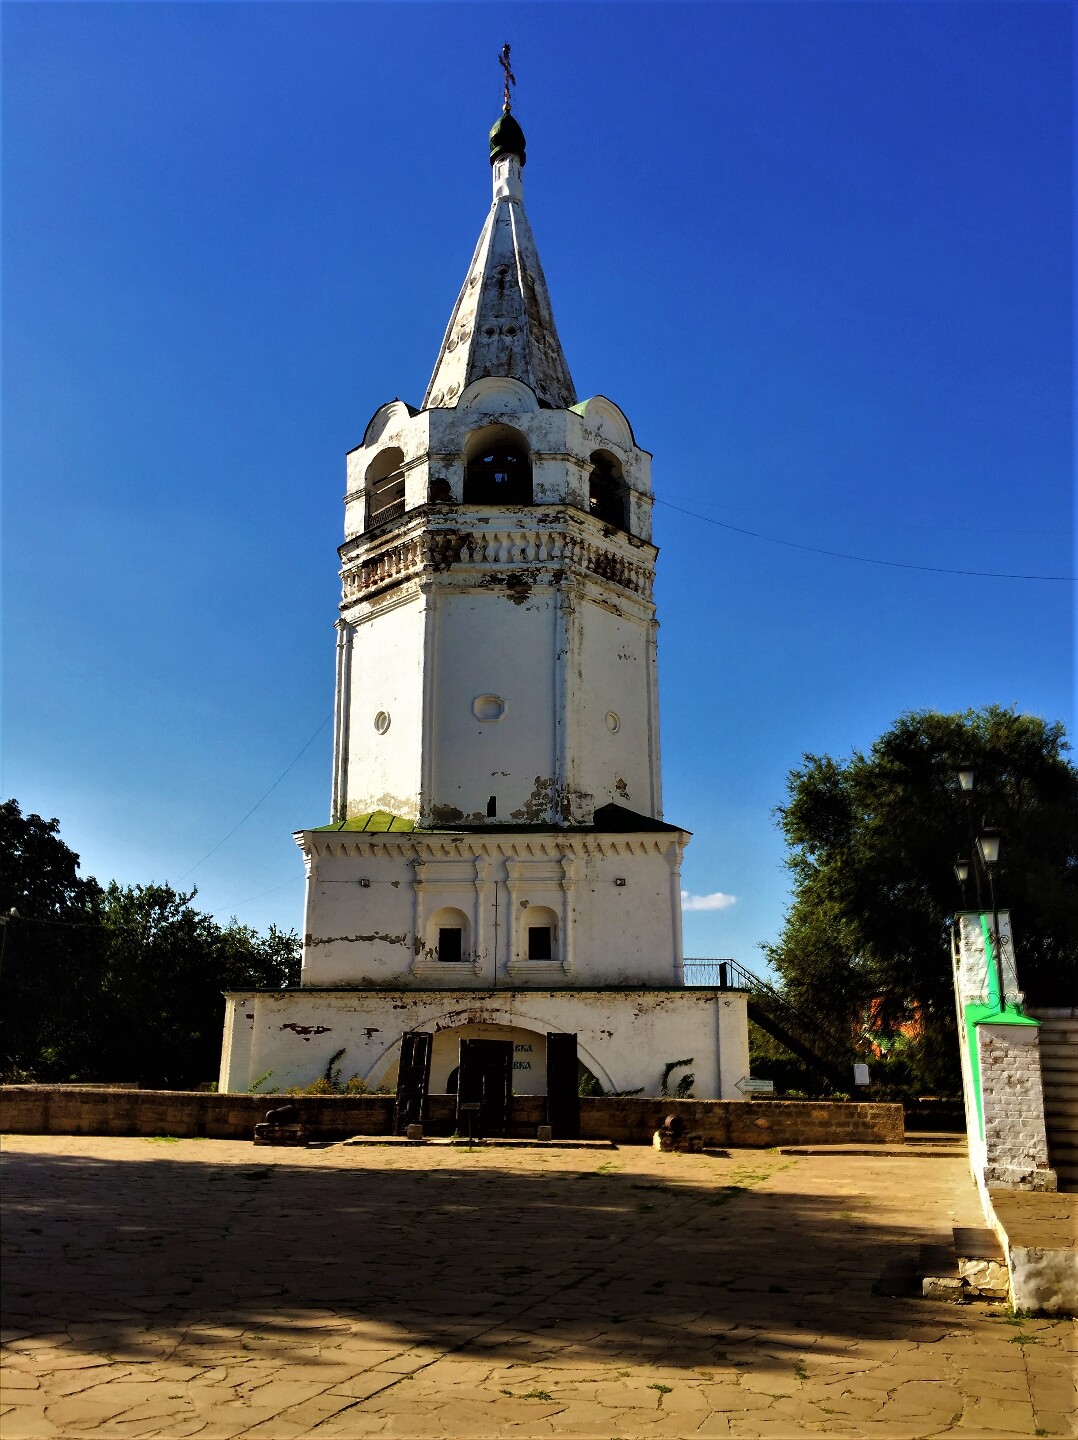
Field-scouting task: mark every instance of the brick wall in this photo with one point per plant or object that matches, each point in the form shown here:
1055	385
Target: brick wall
73	1110
1016	1143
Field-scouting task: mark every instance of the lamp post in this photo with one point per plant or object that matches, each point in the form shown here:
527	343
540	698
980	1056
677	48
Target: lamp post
984	856
988	850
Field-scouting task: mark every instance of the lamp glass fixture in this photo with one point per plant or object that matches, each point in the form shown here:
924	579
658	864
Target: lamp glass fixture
965	777
988	845
961	870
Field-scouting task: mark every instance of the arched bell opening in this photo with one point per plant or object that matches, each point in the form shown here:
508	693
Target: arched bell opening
384	487
608	494
497	467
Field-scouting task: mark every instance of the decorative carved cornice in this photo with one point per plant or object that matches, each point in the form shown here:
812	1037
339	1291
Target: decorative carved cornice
555	550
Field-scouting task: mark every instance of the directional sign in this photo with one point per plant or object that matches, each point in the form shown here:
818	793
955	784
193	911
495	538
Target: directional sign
749	1086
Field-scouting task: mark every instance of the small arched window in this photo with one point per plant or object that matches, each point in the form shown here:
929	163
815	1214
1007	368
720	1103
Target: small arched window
448	936
540	938
608	493
384	485
498	468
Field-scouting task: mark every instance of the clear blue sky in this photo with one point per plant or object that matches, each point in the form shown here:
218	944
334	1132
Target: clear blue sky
819	253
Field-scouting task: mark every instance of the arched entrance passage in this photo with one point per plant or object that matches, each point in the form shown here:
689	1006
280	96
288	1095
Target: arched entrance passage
449	1029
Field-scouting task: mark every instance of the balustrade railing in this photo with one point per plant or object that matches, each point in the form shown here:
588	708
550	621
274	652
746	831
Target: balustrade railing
720	975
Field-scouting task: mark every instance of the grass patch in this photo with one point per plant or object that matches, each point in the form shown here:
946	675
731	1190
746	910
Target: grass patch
162	1139
662	1389
536	1395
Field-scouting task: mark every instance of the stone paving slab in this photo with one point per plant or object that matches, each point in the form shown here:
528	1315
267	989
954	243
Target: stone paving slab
209	1289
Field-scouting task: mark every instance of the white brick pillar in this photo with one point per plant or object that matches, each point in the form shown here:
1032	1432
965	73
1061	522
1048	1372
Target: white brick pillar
1015	1143
1001	1067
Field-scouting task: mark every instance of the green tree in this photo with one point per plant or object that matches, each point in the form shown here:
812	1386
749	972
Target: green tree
39	874
116	984
50	958
167	965
873	841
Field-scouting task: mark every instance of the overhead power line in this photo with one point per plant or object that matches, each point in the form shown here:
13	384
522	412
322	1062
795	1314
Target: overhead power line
864	559
257	803
239	904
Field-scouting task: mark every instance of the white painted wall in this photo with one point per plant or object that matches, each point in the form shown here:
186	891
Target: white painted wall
384	677
381	933
485	644
623	1037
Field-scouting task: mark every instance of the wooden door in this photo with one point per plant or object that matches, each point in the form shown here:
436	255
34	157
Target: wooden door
413	1080
484	1087
562	1086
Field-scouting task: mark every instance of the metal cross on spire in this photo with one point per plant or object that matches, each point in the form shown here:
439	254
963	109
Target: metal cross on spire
510	78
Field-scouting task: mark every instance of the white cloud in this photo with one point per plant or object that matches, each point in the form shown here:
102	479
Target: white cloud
718	901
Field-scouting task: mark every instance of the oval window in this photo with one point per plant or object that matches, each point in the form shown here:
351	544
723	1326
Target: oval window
382	721
488	707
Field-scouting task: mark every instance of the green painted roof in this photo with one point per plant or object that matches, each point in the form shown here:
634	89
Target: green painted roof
374	821
609	819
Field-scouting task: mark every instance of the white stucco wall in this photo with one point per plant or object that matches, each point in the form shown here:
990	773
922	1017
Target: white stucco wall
485	644
384	932
384	677
624	1037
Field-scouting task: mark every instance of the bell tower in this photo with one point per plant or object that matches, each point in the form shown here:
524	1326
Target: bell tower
497	866
497	637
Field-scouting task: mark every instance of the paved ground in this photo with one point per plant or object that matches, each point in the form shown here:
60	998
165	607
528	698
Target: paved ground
208	1288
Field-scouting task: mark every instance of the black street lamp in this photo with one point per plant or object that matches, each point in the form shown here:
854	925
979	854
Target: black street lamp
984	853
988	849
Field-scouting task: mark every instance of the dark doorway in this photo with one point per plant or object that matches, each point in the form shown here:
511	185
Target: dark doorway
484	1087
562	1086
413	1079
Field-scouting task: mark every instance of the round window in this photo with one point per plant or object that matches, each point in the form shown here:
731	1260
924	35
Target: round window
488	707
382	721
613	722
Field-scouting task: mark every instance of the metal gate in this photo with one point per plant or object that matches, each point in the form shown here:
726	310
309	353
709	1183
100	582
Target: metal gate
484	1087
413	1079
562	1086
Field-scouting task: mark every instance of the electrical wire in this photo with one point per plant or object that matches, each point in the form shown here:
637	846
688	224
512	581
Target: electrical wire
257	803
239	904
864	559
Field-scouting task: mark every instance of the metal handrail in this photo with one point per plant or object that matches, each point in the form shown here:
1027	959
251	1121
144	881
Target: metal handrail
724	975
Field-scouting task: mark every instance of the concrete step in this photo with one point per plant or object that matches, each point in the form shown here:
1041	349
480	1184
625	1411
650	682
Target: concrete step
971	1266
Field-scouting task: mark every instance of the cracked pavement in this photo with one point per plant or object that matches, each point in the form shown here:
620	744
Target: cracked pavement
183	1288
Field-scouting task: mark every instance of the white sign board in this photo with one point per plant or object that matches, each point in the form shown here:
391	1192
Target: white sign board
860	1074
749	1086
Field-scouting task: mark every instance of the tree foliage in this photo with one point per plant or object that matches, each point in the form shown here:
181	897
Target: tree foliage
873	841
117	984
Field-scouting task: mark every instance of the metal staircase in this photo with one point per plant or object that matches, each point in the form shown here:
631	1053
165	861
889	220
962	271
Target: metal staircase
768	1009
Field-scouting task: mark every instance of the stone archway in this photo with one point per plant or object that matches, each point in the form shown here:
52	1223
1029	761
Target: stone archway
491	1023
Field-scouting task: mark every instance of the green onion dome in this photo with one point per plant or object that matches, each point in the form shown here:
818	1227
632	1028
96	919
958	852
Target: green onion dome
506	138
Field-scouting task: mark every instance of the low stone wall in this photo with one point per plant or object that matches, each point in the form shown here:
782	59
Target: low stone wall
74	1110
634	1119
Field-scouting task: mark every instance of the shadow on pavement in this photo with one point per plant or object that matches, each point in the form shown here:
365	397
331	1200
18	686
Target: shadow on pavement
470	1257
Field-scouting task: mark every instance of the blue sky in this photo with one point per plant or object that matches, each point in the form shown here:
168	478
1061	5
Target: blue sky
821	255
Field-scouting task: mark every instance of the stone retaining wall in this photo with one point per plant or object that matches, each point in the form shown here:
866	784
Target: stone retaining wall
73	1110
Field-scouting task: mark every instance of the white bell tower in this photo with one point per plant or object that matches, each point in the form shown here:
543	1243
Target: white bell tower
497	861
497	632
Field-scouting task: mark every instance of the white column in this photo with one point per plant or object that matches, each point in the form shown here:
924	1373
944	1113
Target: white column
339	801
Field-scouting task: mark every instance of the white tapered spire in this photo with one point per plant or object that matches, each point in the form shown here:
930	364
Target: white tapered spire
502	323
